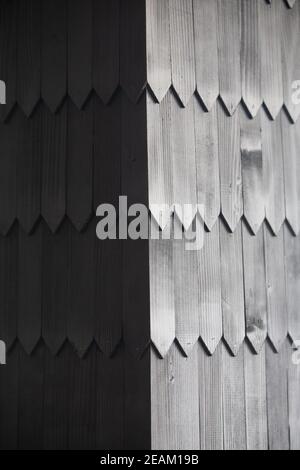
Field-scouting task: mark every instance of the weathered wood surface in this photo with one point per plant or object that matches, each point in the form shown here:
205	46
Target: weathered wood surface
294	402
292	276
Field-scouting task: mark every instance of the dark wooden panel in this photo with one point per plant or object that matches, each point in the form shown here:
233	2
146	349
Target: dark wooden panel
80	52
54	52
8	157
29	54
9	401
106	44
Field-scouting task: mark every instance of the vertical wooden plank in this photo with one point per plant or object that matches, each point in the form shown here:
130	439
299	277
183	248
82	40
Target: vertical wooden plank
29	289
256	399
54	52
271	49
210	400
80	51
182	49
80	164
234	407
207	163
255	288
8	54
81	314
8	287
229	37
31	393
251	55
158	47
291	162
277	398
29	55
276	289
252	171
133	61
9	376
186	296
232	287
292	276
162	294
206	51
290	58
209	290
294	403
106	44
29	133
8	190
54	167
273	172
55	278
230	168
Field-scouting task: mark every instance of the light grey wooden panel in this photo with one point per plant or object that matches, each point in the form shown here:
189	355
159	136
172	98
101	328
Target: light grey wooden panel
230	168
291	57
232	287
160	163
277	398
270	30
162	304
256	399
294	402
273	172
292	275
182	48
229	45
255	288
291	161
276	291
207	162
175	401
158	47
206	50
186	296
252	171
234	412
183	155
209	279
210	399
251	56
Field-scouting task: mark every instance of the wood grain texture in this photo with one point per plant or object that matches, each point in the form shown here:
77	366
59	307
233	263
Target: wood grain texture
271	49
207	163
234	407
210	400
232	287
158	47
133	63
229	37
252	171
9	401
230	168
8	54
8	190
106	47
290	57
8	287
54	52
277	398
209	291
162	295
80	51
55	285
255	288
182	49
251	55
206	51
54	145
292	276
80	164
294	403
291	163
29	289
276	288
273	172
256	399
